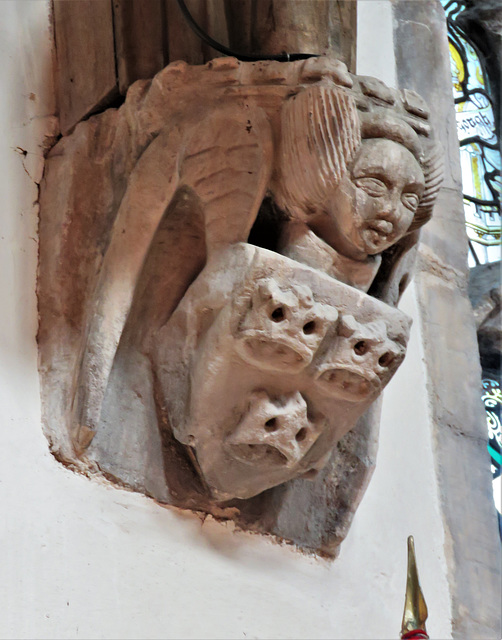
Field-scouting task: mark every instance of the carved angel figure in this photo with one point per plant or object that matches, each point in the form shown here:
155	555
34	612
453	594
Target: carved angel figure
243	236
353	184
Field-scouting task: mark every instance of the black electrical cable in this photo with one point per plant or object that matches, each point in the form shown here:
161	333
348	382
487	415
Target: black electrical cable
244	57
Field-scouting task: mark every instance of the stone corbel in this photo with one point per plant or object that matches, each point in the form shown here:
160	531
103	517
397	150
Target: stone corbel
220	263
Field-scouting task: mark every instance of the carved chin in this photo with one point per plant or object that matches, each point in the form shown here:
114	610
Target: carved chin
274	354
348	384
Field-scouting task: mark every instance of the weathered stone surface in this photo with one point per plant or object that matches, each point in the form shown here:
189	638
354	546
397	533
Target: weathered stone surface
263	368
177	390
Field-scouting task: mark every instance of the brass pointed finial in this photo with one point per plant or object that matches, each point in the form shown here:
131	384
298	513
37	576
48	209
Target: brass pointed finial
415	609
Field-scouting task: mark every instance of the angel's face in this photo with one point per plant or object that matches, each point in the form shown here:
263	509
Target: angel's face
374	204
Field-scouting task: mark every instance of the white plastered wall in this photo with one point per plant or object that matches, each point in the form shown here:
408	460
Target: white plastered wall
82	559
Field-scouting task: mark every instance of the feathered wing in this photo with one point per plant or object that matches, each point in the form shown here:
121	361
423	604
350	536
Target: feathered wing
225	161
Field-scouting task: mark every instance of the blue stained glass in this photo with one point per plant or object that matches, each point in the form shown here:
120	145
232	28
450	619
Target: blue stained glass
492	398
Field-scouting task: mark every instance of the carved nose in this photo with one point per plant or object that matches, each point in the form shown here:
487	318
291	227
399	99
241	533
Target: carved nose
385	204
389	208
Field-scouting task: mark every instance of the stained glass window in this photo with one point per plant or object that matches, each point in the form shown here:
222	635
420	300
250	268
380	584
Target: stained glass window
479	150
482	189
492	397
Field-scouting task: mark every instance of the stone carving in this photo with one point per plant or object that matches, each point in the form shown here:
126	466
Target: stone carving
223	287
282	328
362	195
281	368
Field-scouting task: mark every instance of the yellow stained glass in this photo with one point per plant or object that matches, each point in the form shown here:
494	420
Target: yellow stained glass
457	67
479	155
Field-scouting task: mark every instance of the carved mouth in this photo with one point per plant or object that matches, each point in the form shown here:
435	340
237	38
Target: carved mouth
384	227
380	230
275	353
257	454
348	384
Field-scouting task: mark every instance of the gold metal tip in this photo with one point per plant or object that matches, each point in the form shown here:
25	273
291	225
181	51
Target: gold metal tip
415	609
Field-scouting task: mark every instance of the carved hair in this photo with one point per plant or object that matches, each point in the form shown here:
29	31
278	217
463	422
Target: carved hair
433	168
321	135
384	124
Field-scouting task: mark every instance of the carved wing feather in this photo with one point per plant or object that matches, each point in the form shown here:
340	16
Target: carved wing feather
228	163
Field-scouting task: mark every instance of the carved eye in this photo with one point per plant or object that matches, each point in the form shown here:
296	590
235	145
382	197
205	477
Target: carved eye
386	359
373	186
271	425
301	435
410	200
309	327
361	347
277	314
